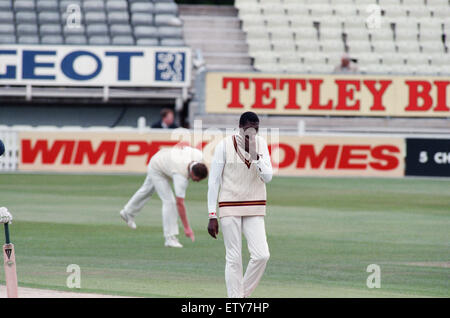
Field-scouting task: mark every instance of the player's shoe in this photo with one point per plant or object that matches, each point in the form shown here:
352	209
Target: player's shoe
172	241
128	219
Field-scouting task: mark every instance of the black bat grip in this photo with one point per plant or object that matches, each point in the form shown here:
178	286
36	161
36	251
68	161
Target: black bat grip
7	234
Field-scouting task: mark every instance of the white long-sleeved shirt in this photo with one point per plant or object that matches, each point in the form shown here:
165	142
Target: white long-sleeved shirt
218	163
174	163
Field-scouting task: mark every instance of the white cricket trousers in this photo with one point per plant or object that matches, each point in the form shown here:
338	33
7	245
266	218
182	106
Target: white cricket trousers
253	228
160	183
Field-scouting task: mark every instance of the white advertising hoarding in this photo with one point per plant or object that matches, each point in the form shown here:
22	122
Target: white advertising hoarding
82	65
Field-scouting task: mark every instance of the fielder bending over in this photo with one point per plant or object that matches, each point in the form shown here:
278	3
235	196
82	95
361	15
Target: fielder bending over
177	164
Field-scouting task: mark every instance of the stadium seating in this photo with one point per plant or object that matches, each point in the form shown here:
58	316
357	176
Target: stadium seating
385	36
103	22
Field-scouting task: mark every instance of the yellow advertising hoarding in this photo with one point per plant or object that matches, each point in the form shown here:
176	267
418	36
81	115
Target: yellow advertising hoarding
334	95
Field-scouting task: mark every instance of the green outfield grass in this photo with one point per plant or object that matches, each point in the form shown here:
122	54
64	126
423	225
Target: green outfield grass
322	234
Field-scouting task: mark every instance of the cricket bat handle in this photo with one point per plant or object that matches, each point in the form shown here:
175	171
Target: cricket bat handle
9	258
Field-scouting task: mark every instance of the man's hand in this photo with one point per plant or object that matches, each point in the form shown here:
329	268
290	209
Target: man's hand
247	141
189	233
213	227
182	212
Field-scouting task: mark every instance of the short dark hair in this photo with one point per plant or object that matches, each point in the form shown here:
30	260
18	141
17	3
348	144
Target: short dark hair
165	111
200	170
248	117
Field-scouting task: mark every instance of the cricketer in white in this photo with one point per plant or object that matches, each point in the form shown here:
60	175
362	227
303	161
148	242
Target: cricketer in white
241	167
177	164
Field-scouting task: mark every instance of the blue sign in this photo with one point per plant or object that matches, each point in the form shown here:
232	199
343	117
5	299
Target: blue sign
170	66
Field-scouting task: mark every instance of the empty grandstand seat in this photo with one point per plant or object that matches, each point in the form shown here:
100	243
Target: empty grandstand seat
281	33
368	59
166	7
283	45
27	29
354	22
24	5
381	34
97	29
393	59
7	39
313	58
165	19
72	30
48	29
145	7
6	17
123	40
69	4
289	58
273	9
393	11
257	33
117	5
93	5
47	5
26	17
406	34
431	47
28	39
345	10
95	17
118	17
99	40
120	29
318	9
430	25
5	5
331	46
145	32
431	35
359	47
418	11
384	47
330	33
170	32
255	46
52	39
76	39
308	46
417	59
172	42
408	47
305	33
416	2
48	17
359	34
438	58
330	21
296	9
147	42
141	19
7	28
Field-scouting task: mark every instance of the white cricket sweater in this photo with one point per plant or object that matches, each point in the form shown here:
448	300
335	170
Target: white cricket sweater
242	183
